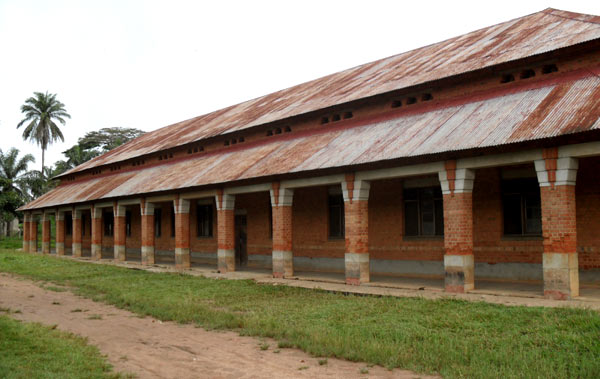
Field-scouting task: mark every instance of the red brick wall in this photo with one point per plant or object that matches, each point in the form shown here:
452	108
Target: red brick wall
226	233
357	226
588	213
458	223
202	244
311	225
490	244
257	206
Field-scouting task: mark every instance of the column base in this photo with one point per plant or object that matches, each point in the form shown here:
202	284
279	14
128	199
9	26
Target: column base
283	264
45	247
460	273
226	260
120	253
148	255
76	248
96	252
60	248
357	268
26	246
561	276
182	258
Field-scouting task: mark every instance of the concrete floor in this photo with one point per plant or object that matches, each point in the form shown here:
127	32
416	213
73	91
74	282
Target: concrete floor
528	293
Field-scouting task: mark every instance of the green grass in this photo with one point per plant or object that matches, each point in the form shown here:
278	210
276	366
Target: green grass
31	350
451	337
11	242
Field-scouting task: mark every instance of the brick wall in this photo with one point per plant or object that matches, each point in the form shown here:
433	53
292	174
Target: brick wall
588	213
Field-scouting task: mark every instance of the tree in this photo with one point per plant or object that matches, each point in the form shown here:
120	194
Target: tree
107	139
41	110
13	171
93	144
13	183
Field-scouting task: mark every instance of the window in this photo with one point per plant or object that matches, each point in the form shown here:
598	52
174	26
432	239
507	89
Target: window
108	224
522	207
204	219
128	223
68	224
423	212
172	222
336	216
157	222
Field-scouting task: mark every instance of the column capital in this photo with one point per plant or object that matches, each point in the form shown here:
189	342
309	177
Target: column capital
224	201
181	205
455	180
60	215
355	189
119	210
281	197
553	171
146	208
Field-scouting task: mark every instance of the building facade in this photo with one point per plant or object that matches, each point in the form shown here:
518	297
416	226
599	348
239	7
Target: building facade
476	157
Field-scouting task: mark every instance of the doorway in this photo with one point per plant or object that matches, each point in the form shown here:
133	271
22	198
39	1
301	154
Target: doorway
241	241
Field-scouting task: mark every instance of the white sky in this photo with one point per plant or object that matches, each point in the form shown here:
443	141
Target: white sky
147	64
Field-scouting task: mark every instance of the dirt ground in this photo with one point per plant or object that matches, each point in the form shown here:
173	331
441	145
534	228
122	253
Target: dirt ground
150	348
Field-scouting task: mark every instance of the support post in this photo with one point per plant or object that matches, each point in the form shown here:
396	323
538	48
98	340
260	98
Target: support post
147	210
356	213
33	234
557	177
46	233
96	233
459	262
26	230
281	208
182	233
119	232
77	220
60	232
225	231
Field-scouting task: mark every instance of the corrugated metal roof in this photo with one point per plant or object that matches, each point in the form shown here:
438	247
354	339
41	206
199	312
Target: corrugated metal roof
522	37
532	113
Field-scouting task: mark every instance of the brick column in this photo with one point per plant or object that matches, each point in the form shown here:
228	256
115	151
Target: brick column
76	234
33	234
46	233
147	210
281	207
225	232
96	233
119	232
356	211
60	232
26	232
182	233
459	263
559	226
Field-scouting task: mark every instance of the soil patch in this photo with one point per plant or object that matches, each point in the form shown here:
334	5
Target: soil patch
150	348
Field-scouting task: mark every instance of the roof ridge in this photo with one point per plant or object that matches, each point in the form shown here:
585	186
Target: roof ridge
552	12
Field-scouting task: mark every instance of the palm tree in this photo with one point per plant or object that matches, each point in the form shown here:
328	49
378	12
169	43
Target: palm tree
41	110
13	171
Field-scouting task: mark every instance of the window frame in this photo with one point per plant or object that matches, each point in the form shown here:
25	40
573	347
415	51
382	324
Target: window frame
335	205
437	201
205	210
523	189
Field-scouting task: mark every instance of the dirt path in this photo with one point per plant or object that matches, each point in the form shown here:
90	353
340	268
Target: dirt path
151	348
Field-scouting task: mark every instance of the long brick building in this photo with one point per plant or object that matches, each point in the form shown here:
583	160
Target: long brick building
476	157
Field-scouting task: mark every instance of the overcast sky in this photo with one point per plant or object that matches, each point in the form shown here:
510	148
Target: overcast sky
147	64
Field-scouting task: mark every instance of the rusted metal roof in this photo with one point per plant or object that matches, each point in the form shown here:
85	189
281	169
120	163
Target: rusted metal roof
542	111
516	39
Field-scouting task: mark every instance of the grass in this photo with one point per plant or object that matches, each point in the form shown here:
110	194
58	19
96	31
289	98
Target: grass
11	242
30	350
451	337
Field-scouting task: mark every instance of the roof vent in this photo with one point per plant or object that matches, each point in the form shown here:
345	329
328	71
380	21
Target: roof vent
507	78
411	100
549	68
396	103
526	74
288	129
324	120
426	97
336	117
348	115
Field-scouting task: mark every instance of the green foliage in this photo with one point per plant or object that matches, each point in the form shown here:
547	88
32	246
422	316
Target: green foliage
31	350
42	110
94	144
451	337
